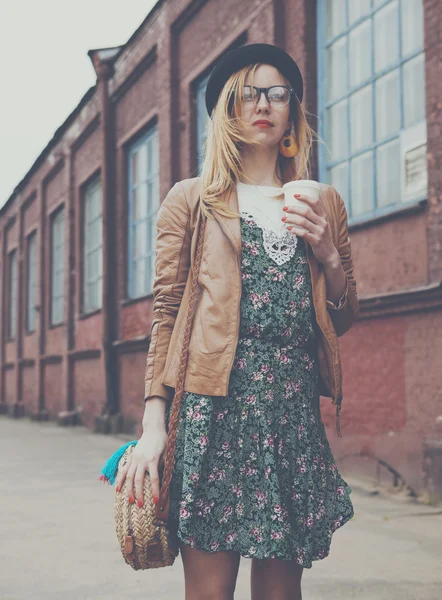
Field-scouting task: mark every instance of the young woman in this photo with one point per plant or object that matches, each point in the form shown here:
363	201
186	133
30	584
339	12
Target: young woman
254	475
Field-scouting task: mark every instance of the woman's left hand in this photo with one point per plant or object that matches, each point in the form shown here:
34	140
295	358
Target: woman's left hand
313	218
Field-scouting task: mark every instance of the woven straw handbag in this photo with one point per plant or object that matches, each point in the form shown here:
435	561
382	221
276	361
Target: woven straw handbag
145	540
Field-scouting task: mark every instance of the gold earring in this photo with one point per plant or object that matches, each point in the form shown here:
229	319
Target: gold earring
288	146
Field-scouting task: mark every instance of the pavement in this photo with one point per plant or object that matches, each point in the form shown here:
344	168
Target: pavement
58	540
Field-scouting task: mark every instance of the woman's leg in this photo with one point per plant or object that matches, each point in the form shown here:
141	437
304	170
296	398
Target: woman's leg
209	575
274	579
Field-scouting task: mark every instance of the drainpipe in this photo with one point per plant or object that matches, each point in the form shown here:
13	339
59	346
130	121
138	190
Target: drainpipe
109	421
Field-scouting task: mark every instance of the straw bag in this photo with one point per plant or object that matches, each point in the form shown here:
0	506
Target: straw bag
145	539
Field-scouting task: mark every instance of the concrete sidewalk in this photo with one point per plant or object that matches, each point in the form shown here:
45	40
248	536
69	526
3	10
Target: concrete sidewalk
58	539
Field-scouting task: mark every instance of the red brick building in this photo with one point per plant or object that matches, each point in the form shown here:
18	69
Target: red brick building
77	236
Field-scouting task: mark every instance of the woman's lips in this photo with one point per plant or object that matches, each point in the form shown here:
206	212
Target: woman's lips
263	125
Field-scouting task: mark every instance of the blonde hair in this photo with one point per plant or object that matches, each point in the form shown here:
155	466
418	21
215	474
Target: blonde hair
222	166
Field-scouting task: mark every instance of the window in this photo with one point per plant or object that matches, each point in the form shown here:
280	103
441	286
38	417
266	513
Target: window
202	118
92	247
372	102
31	282
57	266
12	308
143	171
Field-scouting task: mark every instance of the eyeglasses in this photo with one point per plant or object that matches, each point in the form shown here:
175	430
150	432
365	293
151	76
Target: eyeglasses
276	95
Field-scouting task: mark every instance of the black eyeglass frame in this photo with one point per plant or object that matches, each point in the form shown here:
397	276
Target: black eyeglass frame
290	90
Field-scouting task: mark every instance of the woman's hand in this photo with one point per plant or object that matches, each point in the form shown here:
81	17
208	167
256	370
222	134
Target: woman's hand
147	455
313	218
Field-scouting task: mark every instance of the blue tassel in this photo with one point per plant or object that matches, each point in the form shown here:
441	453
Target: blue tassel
110	467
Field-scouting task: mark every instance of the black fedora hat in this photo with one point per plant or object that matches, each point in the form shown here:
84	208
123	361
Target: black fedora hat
240	57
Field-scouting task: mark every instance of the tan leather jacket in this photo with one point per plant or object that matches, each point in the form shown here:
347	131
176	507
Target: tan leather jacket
215	329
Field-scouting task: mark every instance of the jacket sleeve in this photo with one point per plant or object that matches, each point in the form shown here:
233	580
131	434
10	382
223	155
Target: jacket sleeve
343	314
172	264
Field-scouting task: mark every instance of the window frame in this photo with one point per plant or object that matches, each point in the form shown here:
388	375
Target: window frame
324	105
94	185
202	119
59	212
12	294
150	134
32	283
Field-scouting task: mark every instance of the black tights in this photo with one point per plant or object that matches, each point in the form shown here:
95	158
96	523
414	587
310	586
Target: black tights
212	576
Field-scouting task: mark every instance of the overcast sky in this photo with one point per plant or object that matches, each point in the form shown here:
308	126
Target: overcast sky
45	69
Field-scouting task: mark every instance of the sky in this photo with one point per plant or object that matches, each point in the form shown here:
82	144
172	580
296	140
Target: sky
45	70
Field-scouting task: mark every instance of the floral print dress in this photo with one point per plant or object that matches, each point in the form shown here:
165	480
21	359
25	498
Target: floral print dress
254	472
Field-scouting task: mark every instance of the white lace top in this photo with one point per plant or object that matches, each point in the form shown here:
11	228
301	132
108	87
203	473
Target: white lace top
259	202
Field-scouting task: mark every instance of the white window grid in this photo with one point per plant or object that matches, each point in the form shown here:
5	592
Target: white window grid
202	119
143	205
362	156
57	266
92	247
12	308
32	282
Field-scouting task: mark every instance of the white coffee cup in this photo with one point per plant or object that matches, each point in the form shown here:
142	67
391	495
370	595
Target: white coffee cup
302	186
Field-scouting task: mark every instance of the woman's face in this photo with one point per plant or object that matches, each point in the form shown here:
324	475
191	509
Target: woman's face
251	112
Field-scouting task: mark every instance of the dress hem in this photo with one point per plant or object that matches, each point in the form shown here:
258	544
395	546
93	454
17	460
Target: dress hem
306	564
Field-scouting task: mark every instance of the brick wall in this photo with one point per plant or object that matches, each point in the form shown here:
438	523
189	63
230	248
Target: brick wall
433	75
391	376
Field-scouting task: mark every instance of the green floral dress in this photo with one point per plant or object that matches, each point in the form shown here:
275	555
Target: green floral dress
254	472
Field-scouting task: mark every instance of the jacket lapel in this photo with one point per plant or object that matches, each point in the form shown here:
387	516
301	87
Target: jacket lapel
231	226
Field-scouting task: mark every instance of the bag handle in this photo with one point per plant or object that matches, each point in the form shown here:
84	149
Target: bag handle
162	508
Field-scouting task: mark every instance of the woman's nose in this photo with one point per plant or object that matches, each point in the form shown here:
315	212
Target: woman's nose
262	102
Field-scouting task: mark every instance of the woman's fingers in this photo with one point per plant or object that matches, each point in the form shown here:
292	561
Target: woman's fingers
293	219
307	211
130	483
315	203
139	484
154	480
120	480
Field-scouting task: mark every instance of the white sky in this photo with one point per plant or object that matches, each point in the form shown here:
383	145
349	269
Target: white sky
45	70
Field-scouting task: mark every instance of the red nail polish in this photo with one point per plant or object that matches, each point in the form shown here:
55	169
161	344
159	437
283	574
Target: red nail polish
285	208
131	500
288	227
140	504
284	219
155	499
117	488
297	195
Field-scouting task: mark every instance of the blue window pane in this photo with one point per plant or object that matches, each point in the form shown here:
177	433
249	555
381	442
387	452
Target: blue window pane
339	179
388	173
32	283
92	250
57	266
144	201
414	79
12	308
412	21
387	101
361	119
360	53
202	121
337	69
338	130
358	9
362	184
386	36
336	17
